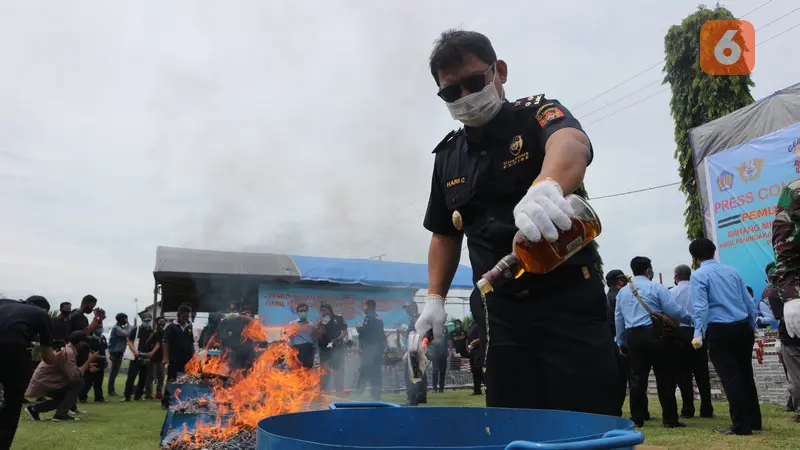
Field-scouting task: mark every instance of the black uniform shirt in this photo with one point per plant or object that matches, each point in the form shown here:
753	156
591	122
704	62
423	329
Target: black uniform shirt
148	338
21	323
482	178
611	308
333	330
180	339
78	321
370	334
459	338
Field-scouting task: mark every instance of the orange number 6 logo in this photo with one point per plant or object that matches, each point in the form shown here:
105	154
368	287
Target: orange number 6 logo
727	47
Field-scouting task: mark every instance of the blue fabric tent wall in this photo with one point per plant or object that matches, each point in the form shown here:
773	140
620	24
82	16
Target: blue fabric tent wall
373	273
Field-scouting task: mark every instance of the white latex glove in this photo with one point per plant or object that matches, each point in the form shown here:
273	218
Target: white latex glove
432	317
791	317
541	210
697	342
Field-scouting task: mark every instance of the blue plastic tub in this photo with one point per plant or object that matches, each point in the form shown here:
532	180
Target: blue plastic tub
376	425
175	422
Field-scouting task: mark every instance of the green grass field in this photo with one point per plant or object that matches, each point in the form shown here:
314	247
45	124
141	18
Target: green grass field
136	426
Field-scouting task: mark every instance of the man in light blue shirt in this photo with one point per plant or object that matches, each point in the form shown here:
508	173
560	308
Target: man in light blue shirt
301	338
645	343
724	316
691	363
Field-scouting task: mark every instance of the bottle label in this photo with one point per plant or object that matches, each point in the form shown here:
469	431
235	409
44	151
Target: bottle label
574	245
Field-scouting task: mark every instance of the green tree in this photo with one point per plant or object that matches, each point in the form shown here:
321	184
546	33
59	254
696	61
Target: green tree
697	98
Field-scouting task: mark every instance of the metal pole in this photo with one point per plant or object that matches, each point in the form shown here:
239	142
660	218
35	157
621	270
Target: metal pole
155	299
136	312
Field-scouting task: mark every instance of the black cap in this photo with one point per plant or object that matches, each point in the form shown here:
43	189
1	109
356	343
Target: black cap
614	275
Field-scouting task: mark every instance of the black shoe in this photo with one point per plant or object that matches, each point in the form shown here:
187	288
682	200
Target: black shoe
675	425
687	415
125	400
729	432
113	394
638	424
650	417
33	415
99	400
796	418
64	418
83	400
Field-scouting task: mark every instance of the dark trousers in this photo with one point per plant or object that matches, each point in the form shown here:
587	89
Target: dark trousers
137	368
305	353
93	380
332	360
439	372
476	368
730	347
557	335
173	369
370	372
624	376
691	364
14	375
60	400
646	350
116	363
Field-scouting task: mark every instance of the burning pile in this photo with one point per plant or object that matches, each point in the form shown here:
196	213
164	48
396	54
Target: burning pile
274	384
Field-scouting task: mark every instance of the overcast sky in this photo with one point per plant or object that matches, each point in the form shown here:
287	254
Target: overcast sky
304	127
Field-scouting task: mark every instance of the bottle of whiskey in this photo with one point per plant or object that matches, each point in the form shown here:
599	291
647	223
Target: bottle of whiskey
543	256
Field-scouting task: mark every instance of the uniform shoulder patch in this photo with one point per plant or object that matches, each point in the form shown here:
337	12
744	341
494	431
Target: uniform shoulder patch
443	143
529	102
377	317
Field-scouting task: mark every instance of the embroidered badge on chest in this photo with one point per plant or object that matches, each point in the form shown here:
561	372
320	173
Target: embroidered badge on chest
517	155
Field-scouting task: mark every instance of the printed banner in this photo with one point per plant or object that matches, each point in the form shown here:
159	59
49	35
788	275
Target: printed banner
277	304
744	183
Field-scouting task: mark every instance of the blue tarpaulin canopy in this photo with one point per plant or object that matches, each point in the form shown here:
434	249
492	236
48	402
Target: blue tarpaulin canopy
172	262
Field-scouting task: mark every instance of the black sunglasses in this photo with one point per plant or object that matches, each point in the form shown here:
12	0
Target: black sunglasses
471	83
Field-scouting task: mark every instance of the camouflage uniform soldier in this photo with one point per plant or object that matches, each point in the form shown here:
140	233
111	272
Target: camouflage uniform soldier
786	279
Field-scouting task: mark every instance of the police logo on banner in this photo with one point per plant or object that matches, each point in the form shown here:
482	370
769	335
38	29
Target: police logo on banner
794	147
725	181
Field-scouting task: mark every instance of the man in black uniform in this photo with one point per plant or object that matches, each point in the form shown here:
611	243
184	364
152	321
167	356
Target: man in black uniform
475	357
61	325
372	341
508	171
143	341
93	380
20	323
616	280
416	393
333	330
459	339
177	346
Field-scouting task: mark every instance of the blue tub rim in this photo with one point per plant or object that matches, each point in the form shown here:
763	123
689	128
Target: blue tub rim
612	439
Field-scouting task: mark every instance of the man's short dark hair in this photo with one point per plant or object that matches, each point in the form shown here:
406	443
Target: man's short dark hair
184	308
769	267
454	45
76	337
370	303
88	299
302	306
120	316
63	304
702	249
683	272
640	265
38	301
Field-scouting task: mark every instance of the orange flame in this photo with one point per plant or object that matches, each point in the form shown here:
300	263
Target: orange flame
276	384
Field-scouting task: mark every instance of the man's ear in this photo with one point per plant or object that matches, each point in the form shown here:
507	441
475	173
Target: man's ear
502	70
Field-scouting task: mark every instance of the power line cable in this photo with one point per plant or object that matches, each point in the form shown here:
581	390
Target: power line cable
658	63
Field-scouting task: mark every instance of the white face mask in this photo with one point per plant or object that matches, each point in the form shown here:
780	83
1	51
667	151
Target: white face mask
476	110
